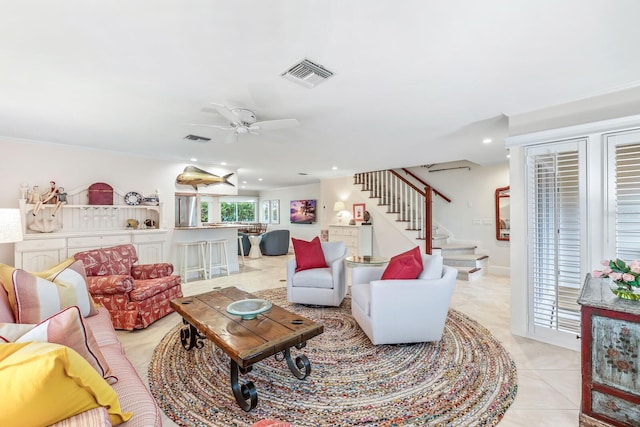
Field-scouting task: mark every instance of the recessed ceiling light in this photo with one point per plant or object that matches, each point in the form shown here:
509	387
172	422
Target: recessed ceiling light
508	156
259	179
193	159
335	168
244	182
486	140
223	163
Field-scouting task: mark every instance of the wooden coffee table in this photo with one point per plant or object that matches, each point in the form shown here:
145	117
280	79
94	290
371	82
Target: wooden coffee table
246	342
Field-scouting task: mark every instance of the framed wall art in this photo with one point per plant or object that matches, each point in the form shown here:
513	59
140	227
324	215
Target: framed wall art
358	212
302	211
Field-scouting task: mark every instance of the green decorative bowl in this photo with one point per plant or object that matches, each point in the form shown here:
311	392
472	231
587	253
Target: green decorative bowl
248	309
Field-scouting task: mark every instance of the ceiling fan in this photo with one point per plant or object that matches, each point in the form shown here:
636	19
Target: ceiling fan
243	121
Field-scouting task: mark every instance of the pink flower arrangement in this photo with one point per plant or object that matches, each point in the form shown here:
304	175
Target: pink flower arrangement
624	275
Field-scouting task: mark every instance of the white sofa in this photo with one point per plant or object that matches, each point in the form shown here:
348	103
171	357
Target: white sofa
403	311
319	286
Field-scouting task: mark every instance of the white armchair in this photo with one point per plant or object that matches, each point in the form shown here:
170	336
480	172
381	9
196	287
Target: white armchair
319	286
403	311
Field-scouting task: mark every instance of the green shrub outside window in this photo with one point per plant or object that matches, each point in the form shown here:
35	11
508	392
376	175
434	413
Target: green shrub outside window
238	211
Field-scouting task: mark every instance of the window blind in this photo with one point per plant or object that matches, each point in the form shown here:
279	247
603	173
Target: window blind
627	201
555	231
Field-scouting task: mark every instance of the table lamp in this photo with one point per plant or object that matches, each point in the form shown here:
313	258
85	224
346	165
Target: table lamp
339	207
10	226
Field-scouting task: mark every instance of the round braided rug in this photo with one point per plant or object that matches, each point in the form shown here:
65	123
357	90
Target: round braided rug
466	379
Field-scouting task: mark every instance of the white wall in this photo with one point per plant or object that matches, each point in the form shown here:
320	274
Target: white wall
386	239
285	195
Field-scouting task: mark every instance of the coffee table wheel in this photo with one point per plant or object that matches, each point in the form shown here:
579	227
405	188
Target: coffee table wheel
246	394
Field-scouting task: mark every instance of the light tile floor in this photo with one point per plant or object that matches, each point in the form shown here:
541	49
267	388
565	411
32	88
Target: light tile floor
548	376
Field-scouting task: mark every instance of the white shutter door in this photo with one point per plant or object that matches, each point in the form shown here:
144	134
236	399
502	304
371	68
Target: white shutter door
624	188
555	239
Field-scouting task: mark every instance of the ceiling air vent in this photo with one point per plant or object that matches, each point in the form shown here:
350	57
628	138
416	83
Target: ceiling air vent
307	73
197	138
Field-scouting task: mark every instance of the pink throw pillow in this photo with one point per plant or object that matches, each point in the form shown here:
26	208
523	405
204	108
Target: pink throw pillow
308	254
37	298
407	265
67	328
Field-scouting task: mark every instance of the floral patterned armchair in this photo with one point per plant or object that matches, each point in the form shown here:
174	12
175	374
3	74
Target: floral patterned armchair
134	295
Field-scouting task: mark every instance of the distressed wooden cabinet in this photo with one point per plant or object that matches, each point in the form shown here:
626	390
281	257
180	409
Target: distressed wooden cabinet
610	362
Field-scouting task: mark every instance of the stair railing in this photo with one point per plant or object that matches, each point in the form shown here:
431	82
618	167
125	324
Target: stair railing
417	178
411	204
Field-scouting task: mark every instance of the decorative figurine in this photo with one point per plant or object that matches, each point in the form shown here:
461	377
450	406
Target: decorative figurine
34	195
62	200
44	198
367	218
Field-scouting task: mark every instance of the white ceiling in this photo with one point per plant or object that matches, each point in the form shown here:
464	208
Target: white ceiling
416	82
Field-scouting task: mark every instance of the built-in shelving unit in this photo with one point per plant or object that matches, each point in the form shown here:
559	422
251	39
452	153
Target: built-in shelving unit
77	226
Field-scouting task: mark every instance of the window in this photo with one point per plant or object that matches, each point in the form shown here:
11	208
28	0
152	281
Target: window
624	188
204	212
238	211
556	243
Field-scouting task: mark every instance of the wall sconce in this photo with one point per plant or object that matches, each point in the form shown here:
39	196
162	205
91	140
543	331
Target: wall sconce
339	207
10	226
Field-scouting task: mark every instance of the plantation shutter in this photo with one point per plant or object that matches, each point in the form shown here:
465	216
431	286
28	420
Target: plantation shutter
555	240
624	187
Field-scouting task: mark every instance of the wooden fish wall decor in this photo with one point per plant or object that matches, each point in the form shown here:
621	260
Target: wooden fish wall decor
194	176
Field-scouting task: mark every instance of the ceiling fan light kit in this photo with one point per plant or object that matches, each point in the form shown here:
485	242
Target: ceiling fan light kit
243	121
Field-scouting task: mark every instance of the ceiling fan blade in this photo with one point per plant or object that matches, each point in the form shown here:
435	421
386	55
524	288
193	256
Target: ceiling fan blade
226	113
275	124
212	126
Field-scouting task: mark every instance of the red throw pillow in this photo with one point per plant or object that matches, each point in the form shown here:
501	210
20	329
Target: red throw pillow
407	265
308	254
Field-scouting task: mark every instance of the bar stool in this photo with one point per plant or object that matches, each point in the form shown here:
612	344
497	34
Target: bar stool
241	248
221	247
201	266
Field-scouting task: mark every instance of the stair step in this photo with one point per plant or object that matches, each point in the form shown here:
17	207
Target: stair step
457	246
449	249
469	275
474	257
464	260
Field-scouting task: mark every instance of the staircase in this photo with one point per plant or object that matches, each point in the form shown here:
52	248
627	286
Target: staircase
399	194
463	257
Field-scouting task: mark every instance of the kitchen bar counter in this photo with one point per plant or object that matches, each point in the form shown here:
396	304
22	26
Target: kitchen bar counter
207	232
208	227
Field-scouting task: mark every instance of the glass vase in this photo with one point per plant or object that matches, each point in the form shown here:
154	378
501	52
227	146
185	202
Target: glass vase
624	291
